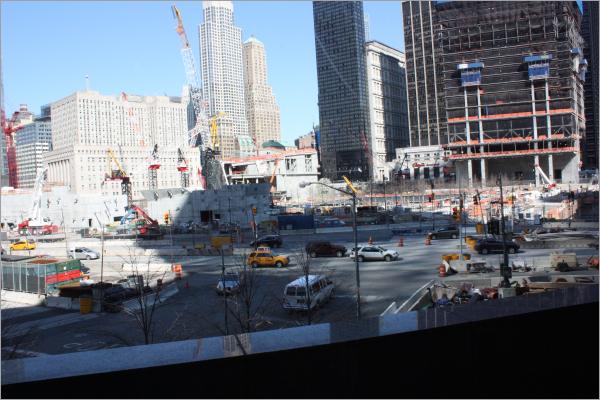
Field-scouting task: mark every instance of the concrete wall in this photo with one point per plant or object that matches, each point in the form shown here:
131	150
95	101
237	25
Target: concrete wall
185	206
78	209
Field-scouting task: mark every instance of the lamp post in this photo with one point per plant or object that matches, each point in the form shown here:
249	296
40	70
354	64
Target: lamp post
352	193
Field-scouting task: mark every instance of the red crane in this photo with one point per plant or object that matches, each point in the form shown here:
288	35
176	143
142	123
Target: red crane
9	129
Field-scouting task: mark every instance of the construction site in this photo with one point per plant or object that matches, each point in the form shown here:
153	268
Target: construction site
138	234
513	85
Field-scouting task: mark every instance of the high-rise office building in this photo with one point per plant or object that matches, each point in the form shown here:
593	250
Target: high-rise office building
343	94
262	112
32	142
589	32
223	77
427	113
512	76
387	105
85	125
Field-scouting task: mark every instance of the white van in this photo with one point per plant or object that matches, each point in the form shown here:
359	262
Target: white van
294	294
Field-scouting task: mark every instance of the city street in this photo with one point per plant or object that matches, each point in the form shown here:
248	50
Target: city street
197	311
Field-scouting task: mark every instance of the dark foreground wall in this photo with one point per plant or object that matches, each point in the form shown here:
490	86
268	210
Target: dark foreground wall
545	354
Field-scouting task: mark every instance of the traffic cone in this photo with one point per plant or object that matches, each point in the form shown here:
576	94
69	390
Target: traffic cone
401	242
370	240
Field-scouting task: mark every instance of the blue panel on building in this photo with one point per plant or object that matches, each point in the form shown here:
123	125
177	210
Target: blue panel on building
293	222
539	71
470	78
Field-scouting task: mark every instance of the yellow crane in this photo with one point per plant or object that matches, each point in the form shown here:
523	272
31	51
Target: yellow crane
119	174
213	130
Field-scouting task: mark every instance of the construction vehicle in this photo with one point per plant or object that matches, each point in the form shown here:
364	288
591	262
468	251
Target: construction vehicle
119	174
182	167
550	184
144	225
34	224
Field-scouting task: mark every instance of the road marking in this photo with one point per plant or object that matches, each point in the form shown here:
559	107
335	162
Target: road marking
25	352
46	323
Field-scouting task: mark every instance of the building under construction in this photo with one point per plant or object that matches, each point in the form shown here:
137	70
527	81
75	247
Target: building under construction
512	82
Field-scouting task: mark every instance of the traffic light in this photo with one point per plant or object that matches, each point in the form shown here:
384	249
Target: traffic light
476	200
253	210
166	218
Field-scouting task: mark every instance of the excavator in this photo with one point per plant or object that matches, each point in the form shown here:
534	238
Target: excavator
145	226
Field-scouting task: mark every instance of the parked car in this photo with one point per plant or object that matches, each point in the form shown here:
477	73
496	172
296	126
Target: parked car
266	259
444	233
83	253
315	249
366	253
23	245
230	283
490	245
269	240
321	289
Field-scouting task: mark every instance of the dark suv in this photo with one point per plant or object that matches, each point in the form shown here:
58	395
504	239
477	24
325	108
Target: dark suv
315	249
269	240
444	233
489	245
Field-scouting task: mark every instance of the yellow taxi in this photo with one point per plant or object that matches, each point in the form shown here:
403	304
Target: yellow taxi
23	245
265	258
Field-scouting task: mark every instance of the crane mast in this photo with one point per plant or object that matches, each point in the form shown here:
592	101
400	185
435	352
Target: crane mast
199	135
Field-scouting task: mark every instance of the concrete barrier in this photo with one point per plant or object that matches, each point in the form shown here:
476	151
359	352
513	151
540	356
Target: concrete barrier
24	298
144	267
133	305
166	252
65	303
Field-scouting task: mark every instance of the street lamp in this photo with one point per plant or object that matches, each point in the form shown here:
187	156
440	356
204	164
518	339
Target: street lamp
352	193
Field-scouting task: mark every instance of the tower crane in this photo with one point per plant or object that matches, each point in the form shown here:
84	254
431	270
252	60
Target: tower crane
9	129
199	135
119	174
153	169
182	167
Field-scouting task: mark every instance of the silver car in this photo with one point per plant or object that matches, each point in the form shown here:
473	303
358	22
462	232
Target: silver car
367	253
83	253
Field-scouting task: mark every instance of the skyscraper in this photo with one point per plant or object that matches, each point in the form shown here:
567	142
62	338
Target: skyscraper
262	112
427	113
387	104
223	77
343	97
32	142
589	32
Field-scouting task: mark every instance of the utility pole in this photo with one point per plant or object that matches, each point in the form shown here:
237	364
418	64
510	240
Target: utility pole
432	200
356	254
224	290
504	268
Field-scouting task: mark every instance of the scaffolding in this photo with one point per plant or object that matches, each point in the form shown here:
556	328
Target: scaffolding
513	74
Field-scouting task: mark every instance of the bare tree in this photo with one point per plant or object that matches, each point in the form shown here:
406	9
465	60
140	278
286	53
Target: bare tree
146	296
303	261
248	304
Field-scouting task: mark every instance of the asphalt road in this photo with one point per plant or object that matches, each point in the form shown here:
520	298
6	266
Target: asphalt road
197	311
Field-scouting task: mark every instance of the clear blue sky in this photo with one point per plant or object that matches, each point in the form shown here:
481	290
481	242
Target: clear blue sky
48	47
